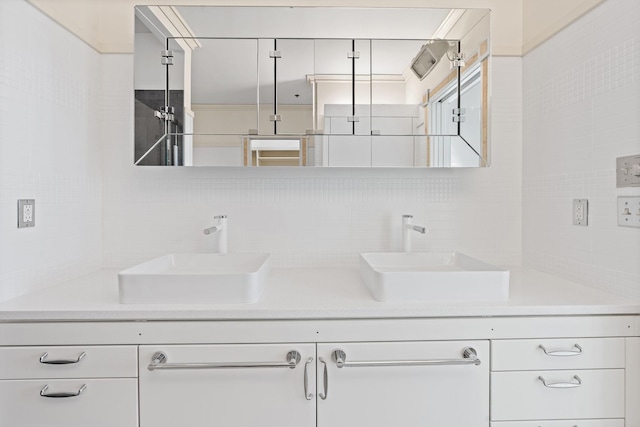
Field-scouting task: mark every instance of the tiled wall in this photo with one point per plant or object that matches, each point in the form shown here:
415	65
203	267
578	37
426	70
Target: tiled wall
49	150
66	139
581	111
66	113
309	217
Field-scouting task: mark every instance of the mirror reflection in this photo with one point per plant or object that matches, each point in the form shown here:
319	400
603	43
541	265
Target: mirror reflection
250	86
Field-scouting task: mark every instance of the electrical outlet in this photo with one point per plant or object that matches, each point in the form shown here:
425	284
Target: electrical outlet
629	211
26	213
580	212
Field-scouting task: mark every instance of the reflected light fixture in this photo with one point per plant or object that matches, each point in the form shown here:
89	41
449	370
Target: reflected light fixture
428	57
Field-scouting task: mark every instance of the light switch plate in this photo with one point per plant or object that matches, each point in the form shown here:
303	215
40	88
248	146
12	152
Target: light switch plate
580	212
26	213
628	171
629	211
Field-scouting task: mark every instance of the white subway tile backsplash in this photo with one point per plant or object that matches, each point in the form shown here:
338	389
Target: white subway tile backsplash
311	217
581	112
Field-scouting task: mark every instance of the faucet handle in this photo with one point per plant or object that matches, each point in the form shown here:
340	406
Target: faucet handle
222	223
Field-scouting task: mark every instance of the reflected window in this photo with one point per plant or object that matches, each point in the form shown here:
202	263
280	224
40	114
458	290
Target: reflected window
451	113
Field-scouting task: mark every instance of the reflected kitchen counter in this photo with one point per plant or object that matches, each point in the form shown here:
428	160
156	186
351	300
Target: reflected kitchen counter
312	294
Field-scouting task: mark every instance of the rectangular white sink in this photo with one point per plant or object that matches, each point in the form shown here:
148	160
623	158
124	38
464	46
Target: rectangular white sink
199	278
432	276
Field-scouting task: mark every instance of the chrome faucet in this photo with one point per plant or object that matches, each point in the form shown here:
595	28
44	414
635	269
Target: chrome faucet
407	227
221	229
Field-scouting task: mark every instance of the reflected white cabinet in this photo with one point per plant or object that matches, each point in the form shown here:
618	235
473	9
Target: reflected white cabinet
228	385
403	384
352	144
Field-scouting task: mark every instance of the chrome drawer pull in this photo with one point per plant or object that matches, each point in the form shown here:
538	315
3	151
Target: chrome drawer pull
61	361
307	395
576	352
578	383
61	395
159	361
325	380
469	357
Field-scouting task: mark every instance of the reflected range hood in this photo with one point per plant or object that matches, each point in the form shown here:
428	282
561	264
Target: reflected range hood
428	57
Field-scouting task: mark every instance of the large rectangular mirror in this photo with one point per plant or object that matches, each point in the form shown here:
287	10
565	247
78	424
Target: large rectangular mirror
311	86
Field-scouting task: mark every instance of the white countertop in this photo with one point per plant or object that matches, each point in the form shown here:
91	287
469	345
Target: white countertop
312	294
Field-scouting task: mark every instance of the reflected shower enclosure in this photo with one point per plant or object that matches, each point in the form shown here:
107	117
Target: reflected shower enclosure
353	87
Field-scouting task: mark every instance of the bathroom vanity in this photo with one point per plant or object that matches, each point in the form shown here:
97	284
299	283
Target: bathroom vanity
317	349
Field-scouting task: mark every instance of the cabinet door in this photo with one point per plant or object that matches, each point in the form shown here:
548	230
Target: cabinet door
632	381
401	387
227	385
561	423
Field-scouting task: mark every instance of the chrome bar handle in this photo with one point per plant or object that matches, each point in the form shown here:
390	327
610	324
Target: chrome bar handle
307	395
61	361
578	383
576	352
60	395
469	357
159	362
325	380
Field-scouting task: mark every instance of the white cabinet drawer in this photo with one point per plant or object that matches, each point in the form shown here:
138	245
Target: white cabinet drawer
68	362
103	403
562	423
573	353
523	396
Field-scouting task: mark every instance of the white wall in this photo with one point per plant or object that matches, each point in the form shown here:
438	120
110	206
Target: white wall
108	25
544	18
582	110
305	217
49	150
310	217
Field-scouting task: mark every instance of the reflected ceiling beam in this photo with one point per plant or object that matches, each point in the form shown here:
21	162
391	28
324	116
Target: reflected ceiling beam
175	25
346	78
448	23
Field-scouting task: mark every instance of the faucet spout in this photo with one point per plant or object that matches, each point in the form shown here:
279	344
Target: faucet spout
221	229
407	227
212	230
418	228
